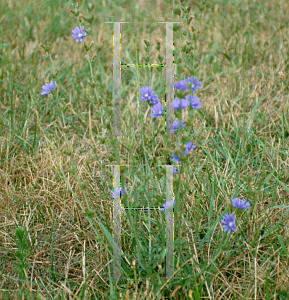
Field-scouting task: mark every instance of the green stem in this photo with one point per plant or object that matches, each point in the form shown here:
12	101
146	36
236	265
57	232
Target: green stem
145	182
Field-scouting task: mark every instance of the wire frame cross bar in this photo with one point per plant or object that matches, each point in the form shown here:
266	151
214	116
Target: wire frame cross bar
169	91
169	268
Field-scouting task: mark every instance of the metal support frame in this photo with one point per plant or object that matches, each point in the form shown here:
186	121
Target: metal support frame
169	92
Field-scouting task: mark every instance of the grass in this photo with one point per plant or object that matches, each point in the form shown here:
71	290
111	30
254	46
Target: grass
56	208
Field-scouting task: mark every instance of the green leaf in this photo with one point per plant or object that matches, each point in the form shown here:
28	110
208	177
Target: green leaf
216	67
282	244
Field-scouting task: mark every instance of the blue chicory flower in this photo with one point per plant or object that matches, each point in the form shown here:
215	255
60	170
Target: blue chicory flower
78	34
195	85
182	84
118	190
177	124
175	171
158	110
241	203
189	147
46	89
229	223
176	158
194	101
168	204
180	103
154	99
146	92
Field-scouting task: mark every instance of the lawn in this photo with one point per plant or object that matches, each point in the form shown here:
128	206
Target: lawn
229	174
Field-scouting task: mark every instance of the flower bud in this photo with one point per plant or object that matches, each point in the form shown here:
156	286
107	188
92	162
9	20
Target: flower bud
161	58
176	27
158	47
148	43
89	19
201	7
186	9
89	31
183	32
46	48
76	12
90	6
186	48
189	21
177	11
87	48
53	76
148	49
